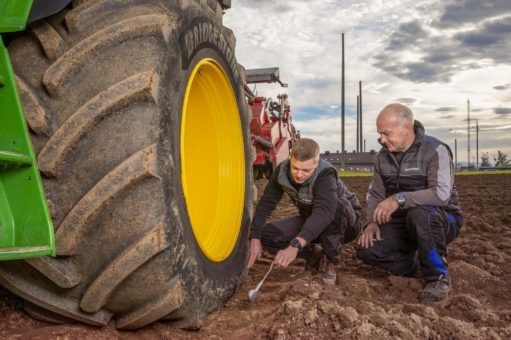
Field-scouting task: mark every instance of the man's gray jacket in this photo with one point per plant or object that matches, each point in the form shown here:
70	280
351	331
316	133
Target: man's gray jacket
424	174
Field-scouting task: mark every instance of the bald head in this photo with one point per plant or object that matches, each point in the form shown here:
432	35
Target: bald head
398	113
395	126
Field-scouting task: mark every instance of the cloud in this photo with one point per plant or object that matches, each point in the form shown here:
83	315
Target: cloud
407	34
469	11
491	33
406	101
502	87
446	109
502	110
494	128
317	83
447	116
425	53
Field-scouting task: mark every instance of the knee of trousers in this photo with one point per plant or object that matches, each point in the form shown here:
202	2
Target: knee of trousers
271	233
417	216
366	255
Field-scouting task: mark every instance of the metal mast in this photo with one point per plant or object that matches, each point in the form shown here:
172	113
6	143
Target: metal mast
343	160
468	132
358	123
477	143
455	154
361	128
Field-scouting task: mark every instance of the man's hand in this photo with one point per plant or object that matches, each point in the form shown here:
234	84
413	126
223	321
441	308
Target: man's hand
285	256
255	249
371	233
384	209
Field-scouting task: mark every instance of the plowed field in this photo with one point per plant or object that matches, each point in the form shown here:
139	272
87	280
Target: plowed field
366	303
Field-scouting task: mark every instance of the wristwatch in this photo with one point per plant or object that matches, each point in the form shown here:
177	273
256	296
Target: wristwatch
400	198
296	244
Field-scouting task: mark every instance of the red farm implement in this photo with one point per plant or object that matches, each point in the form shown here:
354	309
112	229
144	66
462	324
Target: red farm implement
271	127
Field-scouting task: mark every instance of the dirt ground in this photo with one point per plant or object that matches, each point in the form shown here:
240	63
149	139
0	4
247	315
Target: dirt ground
366	303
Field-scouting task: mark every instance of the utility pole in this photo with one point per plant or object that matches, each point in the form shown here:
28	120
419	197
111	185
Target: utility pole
343	157
468	131
358	123
477	144
455	154
361	128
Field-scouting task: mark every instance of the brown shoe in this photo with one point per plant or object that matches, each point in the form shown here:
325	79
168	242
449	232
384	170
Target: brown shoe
328	273
437	290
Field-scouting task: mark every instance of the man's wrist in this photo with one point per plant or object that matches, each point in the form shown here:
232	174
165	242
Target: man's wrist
296	243
364	227
401	199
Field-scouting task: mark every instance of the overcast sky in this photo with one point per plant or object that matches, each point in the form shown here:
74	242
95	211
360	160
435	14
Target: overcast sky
430	55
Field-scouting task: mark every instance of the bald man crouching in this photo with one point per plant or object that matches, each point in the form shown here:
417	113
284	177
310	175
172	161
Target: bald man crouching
413	210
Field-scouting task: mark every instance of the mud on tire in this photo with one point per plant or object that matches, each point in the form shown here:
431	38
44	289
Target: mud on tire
103	86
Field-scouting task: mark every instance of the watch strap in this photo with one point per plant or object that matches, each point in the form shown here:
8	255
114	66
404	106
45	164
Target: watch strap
296	244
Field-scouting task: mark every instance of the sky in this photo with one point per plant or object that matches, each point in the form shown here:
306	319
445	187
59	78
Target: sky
431	55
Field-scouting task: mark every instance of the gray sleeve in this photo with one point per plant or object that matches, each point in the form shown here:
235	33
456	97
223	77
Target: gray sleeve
440	178
376	192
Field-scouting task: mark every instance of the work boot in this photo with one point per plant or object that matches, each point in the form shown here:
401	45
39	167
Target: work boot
328	273
313	259
436	290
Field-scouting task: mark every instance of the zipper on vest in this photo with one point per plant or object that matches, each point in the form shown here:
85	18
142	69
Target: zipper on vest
398	164
399	167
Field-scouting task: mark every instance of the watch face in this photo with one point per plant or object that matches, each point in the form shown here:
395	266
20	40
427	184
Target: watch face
295	243
400	199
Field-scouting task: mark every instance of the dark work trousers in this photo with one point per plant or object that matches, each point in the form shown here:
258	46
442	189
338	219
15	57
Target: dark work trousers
424	231
345	228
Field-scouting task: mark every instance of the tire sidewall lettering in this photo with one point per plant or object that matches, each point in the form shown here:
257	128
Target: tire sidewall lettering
202	33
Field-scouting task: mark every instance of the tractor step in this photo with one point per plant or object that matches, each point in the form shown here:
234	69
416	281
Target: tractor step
24	252
13	160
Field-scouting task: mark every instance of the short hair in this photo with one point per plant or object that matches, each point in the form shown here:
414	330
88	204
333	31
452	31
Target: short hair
305	149
403	112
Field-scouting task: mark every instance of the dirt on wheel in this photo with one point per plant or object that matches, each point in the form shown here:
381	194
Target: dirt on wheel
366	302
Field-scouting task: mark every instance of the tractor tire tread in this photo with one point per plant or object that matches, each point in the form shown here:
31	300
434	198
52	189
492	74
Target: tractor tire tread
60	72
134	169
140	87
22	286
119	269
50	40
35	112
58	271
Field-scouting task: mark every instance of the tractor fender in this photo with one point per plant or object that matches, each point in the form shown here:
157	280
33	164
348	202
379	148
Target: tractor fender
45	8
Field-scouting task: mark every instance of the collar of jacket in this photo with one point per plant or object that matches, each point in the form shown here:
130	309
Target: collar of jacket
420	134
285	177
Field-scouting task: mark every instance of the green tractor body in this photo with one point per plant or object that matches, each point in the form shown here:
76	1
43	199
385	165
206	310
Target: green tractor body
26	229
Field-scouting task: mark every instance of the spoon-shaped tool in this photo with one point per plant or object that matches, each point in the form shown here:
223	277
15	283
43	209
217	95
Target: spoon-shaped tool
252	294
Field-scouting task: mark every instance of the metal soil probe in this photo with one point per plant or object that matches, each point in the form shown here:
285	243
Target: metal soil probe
252	294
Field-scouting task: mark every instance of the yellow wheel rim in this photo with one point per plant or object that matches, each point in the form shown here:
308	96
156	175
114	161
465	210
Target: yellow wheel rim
212	160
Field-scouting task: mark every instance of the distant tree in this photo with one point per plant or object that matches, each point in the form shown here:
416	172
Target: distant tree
501	159
485	159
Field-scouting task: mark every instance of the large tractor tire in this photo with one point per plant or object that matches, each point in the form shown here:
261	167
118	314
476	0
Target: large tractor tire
137	114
